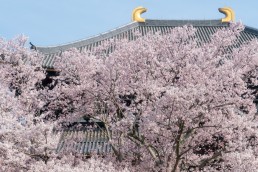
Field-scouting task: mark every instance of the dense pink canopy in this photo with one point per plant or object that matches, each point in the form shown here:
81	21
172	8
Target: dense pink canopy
167	102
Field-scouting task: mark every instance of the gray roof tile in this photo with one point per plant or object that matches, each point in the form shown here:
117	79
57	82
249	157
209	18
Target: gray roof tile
85	142
205	28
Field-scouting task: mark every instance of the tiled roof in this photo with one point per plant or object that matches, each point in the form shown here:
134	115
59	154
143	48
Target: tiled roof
84	141
205	28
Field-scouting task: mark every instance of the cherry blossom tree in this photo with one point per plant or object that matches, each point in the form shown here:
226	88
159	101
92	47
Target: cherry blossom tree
24	136
27	141
168	102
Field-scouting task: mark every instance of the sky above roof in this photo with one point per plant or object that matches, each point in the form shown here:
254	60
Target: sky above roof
52	22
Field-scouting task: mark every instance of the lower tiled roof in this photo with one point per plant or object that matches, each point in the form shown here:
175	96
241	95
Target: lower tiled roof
85	142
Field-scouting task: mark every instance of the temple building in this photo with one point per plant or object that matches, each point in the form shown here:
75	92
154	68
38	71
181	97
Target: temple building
97	140
205	28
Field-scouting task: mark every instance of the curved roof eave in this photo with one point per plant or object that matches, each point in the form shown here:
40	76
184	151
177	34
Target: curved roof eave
87	41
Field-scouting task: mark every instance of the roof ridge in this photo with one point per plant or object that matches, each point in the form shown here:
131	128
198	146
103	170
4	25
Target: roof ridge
176	23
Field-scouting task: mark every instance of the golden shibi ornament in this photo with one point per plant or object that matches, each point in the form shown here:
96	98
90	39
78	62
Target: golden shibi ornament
230	14
136	15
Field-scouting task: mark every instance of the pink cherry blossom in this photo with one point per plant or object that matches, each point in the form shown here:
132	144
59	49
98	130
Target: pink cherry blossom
168	102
